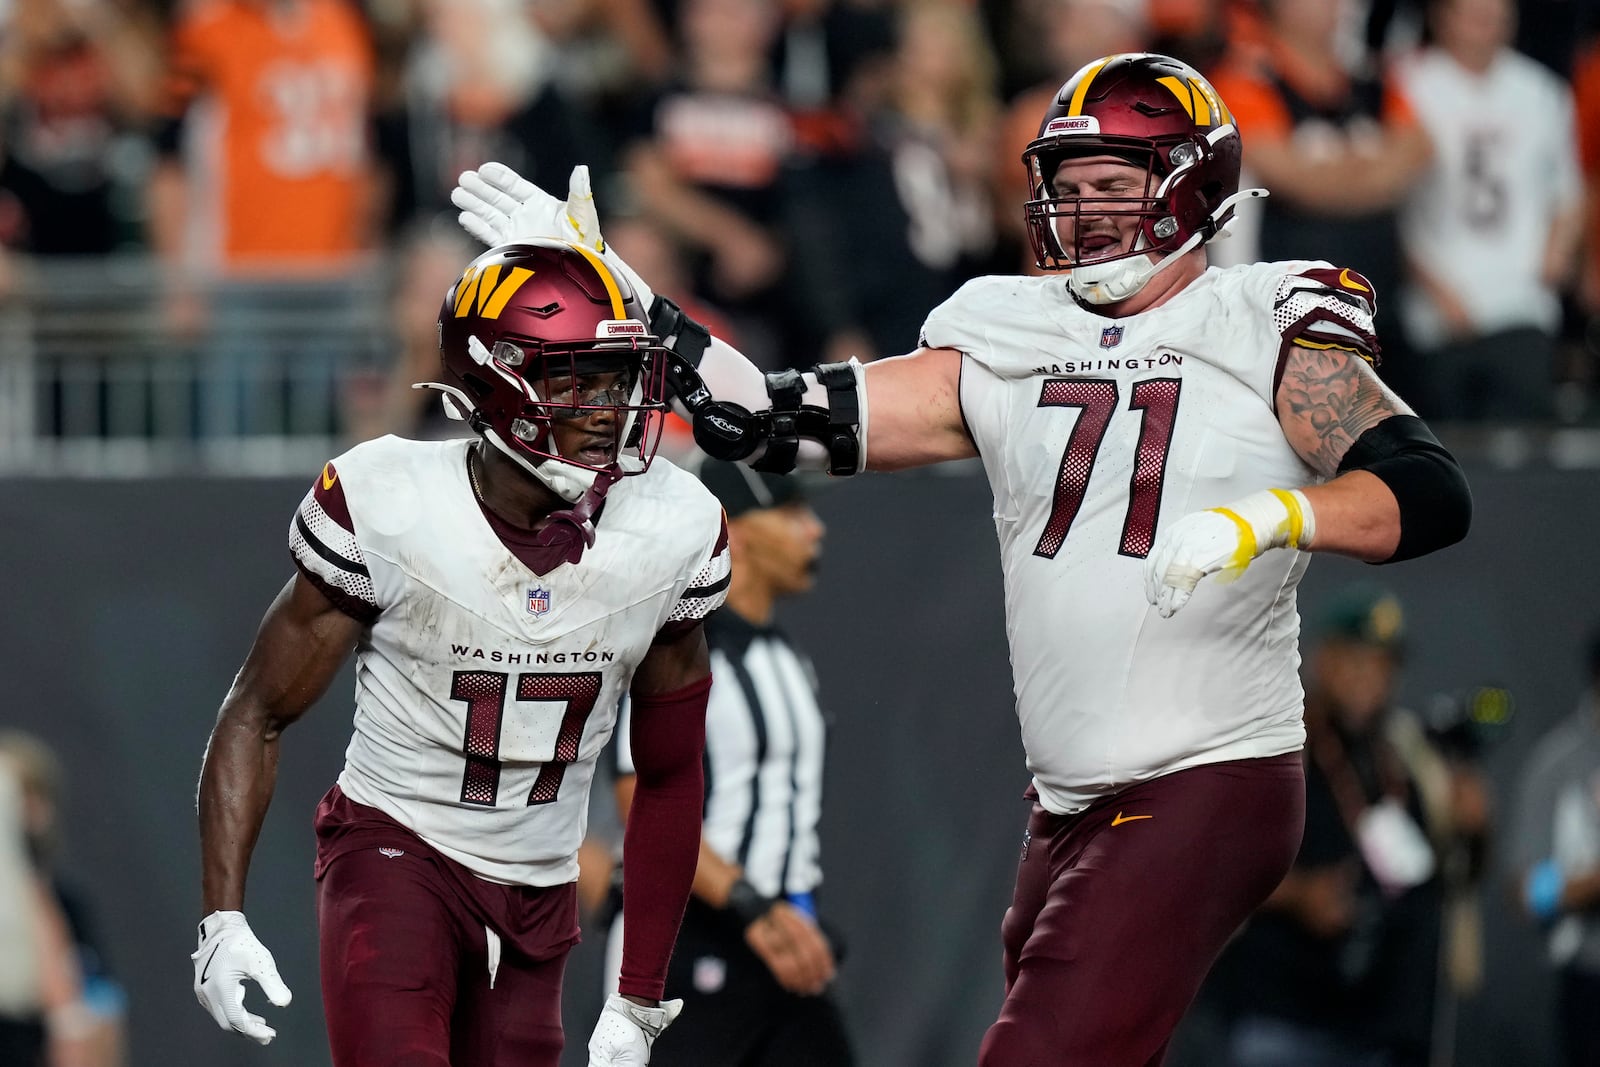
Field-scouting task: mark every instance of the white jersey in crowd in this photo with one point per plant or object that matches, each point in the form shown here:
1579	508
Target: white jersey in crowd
1505	166
1095	431
484	691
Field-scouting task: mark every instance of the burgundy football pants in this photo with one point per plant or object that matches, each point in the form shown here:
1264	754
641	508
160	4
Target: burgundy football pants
1119	911
405	974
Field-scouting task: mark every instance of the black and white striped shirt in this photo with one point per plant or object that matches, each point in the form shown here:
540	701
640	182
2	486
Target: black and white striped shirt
765	736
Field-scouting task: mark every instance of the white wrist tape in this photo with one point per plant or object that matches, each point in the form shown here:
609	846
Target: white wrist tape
1271	518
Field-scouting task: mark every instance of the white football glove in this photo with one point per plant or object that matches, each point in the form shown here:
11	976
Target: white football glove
499	206
228	954
623	1035
1223	539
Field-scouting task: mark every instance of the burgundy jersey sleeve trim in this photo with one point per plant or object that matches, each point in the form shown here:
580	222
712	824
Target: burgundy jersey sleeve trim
359	610
1340	303
328	491
1321	308
674	630
722	535
709	587
323	542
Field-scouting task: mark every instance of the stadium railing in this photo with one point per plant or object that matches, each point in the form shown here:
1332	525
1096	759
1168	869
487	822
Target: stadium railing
96	382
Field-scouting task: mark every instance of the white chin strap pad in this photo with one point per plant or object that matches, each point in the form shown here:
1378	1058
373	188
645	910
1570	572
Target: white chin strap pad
1108	283
565	480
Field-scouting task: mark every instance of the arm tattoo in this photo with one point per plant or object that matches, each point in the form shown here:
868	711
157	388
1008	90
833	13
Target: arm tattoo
1327	399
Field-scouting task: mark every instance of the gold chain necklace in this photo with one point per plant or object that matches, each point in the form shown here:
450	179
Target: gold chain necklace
472	476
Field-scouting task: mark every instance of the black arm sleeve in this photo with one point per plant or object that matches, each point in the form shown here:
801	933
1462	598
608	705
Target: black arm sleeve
1427	483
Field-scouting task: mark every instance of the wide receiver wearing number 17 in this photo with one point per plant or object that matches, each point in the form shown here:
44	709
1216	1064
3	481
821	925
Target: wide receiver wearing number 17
1146	423
501	595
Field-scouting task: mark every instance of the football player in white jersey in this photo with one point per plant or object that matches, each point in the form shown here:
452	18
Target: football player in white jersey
1145	422
501	594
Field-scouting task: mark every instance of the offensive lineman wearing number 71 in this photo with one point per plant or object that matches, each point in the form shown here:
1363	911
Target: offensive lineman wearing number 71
500	594
1145	423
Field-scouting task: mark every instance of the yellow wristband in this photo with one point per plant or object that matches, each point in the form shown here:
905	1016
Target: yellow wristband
1297	517
1246	550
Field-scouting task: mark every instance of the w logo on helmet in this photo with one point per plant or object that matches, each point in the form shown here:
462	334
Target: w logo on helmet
485	288
1199	100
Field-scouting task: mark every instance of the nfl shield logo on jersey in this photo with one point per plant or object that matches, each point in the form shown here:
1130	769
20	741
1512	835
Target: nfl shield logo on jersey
710	974
1111	337
538	601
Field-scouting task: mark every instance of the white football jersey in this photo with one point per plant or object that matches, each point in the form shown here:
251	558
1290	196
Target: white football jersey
1095	431
1505	166
484	691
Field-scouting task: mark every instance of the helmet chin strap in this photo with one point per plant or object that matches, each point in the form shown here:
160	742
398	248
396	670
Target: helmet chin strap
567	481
571	530
1118	279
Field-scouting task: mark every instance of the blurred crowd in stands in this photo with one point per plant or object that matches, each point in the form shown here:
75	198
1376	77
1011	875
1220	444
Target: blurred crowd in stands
810	176
60	1005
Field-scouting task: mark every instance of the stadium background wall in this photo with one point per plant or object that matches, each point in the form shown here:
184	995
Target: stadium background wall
131	603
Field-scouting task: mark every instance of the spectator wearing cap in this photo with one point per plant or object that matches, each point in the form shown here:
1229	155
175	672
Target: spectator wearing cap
1340	966
1556	852
753	961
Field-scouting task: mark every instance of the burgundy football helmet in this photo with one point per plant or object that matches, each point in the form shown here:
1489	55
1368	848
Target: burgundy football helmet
522	335
1155	113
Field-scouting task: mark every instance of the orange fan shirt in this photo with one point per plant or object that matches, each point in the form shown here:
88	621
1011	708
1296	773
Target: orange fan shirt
277	97
1586	96
1255	87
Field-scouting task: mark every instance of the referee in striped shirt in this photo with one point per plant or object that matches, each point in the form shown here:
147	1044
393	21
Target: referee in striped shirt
752	962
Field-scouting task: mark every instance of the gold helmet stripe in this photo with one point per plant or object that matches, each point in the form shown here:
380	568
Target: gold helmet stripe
507	289
1203	104
466	291
617	310
487	280
1076	107
1184	94
481	290
1204	88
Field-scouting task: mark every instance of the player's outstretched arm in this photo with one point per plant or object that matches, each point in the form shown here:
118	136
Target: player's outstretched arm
1394	492
302	642
816	420
915	401
844	418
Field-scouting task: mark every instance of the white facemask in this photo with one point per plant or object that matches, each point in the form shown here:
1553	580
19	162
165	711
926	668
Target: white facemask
566	480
